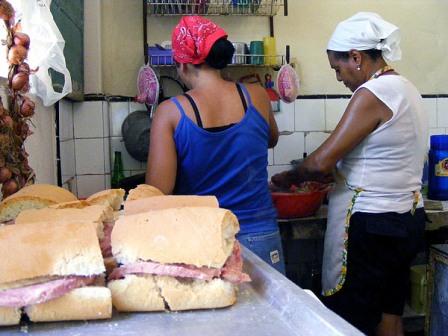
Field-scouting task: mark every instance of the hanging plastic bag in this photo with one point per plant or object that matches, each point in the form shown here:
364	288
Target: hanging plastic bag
46	49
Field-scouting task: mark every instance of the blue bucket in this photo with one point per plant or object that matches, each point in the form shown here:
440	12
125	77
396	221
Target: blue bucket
438	168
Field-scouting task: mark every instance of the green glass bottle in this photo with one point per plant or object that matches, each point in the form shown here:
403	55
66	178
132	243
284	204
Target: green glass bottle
117	173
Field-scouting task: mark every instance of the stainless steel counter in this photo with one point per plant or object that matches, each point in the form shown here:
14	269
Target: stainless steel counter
269	305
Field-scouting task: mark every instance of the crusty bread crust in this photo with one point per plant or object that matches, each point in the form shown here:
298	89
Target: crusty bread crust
93	213
9	316
33	196
191	235
169	201
142	191
46	191
111	197
85	303
79	204
136	293
32	251
156	293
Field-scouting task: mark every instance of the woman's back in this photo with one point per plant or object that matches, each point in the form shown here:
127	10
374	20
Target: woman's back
227	156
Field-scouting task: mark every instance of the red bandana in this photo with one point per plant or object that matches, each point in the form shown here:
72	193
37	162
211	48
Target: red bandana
193	37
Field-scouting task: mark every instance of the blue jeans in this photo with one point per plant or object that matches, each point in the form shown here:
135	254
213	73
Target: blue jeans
266	245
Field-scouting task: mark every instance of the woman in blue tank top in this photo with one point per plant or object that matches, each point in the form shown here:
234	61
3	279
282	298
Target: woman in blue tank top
214	139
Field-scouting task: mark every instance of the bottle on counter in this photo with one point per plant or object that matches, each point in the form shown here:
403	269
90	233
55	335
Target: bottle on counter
117	173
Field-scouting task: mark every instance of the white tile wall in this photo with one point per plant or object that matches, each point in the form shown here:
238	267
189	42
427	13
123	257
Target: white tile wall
270	156
285	118
313	140
289	147
90	184
118	111
310	115
68	163
442	112
430	106
334	109
89	156
65	120
88	119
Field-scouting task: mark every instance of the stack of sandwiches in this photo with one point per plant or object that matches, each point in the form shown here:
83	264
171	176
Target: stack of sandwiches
162	253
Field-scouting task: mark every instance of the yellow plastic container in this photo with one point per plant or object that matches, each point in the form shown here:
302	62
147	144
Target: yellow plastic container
270	51
417	300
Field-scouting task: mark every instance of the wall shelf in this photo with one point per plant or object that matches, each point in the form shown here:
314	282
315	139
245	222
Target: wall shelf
244	60
214	7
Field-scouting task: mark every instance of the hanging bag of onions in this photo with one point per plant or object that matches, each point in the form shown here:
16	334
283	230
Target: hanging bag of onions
15	173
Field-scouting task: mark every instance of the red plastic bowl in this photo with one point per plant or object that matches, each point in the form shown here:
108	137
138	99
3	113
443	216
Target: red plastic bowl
296	205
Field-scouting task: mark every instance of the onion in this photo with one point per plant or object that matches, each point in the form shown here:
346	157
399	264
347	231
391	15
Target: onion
17	54
27	108
24	67
22	129
22	39
5	174
20	81
21	181
9	187
6	10
7	120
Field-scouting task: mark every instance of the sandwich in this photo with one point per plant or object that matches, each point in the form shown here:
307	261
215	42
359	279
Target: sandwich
132	207
52	273
100	216
176	259
111	197
142	191
34	196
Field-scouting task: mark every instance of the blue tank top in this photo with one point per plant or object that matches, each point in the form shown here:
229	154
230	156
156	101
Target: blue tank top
230	164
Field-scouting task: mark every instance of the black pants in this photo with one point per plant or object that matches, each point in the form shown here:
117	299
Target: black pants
381	248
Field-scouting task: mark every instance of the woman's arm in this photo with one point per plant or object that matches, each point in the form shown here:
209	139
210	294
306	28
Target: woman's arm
362	116
262	103
162	158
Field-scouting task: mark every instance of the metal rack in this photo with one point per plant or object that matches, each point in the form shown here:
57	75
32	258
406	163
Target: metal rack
246	60
214	7
267	8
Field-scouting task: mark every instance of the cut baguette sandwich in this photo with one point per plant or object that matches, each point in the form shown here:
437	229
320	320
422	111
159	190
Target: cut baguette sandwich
52	273
101	217
34	196
137	206
111	197
143	191
176	259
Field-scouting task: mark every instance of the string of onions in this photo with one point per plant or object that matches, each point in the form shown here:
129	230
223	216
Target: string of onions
15	171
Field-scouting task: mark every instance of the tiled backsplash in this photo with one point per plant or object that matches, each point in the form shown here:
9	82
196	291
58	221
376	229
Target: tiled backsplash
90	132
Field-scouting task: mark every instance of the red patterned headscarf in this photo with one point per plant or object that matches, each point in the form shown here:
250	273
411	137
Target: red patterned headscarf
193	37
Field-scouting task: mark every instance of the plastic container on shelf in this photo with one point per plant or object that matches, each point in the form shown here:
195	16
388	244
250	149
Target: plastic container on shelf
438	168
417	300
160	56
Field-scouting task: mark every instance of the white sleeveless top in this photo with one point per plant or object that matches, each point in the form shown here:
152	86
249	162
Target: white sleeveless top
388	163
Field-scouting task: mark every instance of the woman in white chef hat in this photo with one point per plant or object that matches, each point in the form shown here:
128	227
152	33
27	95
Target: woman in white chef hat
376	153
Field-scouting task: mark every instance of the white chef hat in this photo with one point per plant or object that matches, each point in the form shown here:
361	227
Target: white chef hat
364	31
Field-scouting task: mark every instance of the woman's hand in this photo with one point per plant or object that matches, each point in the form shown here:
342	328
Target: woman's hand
285	179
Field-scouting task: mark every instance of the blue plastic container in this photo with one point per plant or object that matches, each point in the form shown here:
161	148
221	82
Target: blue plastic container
438	168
